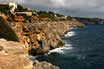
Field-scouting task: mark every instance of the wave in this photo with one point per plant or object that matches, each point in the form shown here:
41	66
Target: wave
61	50
70	34
67	46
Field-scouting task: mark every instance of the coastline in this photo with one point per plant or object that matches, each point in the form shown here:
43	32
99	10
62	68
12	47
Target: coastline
35	35
67	27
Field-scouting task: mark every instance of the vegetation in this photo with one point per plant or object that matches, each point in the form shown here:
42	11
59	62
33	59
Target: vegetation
44	14
4	9
69	18
59	15
21	9
25	16
6	31
62	19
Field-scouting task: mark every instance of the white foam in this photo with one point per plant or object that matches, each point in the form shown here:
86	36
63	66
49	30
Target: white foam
72	28
66	46
61	50
70	34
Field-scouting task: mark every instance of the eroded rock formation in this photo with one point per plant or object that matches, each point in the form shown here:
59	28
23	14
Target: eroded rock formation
44	65
42	37
13	56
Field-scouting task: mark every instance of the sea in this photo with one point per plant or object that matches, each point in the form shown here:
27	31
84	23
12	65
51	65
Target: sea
83	49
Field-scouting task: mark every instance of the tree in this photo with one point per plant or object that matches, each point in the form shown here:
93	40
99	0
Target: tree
4	9
21	9
69	18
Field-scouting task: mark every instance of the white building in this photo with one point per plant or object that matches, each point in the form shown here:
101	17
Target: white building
12	7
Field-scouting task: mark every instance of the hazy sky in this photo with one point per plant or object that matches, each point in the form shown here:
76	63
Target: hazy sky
85	8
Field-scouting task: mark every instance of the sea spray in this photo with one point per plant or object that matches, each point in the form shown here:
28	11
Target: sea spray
67	46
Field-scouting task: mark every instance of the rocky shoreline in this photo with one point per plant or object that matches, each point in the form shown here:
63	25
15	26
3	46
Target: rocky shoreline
45	36
30	32
15	55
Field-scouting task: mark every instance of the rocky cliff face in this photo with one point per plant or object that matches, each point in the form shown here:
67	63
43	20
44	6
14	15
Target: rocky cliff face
13	55
38	34
41	37
46	36
44	65
90	20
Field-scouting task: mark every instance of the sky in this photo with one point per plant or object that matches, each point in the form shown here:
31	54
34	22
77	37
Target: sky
75	8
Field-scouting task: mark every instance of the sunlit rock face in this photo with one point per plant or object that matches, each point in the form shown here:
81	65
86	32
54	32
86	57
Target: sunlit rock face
13	56
44	65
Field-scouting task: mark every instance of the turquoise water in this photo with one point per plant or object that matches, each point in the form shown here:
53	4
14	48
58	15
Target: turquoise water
84	49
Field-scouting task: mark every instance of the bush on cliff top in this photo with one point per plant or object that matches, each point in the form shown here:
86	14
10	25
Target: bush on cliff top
6	31
4	9
69	18
21	9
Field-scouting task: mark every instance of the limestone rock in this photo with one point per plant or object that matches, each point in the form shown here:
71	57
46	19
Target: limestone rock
13	56
47	36
44	65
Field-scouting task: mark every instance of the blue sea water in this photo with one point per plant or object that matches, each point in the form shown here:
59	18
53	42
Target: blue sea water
83	49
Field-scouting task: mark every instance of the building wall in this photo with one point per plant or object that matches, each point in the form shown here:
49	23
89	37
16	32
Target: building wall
13	6
27	13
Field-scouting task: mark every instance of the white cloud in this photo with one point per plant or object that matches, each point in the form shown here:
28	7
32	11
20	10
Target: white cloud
16	1
89	6
58	3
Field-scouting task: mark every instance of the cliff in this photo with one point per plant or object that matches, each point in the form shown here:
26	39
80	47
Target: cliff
90	20
13	55
39	37
38	33
47	36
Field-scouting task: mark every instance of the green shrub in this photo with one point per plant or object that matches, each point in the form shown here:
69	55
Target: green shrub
6	31
4	9
69	18
44	14
59	15
25	16
21	9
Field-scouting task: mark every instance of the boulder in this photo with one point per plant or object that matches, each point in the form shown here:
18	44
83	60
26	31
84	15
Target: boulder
13	56
44	65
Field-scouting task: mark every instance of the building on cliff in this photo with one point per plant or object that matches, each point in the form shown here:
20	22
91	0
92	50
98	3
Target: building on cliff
27	13
11	6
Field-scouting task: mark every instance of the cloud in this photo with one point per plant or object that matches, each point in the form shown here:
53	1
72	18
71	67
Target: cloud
58	3
16	1
73	7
